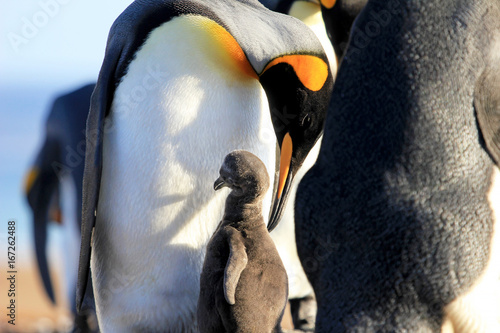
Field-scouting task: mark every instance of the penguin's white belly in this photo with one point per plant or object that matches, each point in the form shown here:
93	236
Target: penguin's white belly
175	115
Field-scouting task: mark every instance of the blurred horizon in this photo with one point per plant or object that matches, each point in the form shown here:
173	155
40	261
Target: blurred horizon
47	48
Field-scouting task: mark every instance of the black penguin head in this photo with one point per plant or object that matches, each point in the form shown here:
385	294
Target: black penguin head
298	99
245	174
339	16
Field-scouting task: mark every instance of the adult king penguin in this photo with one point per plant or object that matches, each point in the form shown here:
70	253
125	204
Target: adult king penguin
53	187
395	222
182	84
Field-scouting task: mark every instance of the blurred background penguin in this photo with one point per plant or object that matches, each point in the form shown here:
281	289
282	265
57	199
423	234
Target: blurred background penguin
53	189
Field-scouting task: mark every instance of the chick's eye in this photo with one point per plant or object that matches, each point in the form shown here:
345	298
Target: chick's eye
306	121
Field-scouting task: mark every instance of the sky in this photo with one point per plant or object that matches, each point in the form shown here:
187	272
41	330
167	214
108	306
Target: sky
47	47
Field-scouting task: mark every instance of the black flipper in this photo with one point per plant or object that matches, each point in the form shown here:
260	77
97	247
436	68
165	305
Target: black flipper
40	233
99	106
487	106
39	191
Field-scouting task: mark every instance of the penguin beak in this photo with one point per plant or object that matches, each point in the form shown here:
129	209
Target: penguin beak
284	182
219	183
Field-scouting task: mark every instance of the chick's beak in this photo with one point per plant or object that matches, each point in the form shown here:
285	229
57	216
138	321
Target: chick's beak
219	183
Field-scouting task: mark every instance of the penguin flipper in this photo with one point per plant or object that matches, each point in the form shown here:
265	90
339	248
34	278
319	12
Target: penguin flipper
41	186
236	263
487	106
40	232
118	52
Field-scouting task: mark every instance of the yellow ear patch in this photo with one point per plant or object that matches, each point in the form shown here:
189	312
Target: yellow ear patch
29	180
227	43
328	3
311	70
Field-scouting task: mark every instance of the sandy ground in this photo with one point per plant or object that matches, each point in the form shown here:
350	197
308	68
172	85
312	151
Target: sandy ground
34	311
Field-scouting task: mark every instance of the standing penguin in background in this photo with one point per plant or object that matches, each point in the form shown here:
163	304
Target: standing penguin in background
53	187
243	284
339	16
402	203
183	83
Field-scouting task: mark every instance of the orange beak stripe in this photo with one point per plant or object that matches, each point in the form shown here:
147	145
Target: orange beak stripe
285	161
311	70
328	3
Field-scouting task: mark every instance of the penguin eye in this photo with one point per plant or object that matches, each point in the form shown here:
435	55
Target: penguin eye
306	121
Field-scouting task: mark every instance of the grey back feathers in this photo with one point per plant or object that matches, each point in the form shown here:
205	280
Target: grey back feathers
398	197
243	284
258	34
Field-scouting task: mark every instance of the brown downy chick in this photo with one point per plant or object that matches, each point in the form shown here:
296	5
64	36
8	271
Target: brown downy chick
243	285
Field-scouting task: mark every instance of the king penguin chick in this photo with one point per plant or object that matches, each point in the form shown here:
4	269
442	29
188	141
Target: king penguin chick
243	285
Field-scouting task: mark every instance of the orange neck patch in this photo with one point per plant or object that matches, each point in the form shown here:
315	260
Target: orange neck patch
311	70
328	3
227	43
30	178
